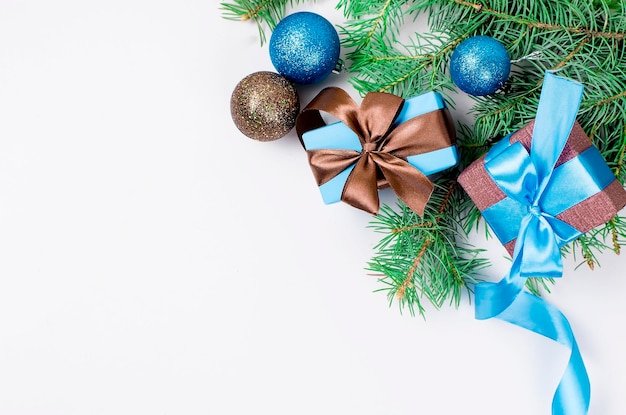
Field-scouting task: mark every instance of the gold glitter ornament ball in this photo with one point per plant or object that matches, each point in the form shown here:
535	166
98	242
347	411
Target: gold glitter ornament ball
264	106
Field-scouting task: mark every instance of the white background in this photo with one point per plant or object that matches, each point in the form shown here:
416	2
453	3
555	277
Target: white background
153	260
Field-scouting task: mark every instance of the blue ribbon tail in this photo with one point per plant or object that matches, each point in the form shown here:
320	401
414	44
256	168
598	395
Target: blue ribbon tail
572	395
494	298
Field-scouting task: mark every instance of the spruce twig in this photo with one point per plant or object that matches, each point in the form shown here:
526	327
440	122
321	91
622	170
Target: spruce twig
265	13
481	8
425	258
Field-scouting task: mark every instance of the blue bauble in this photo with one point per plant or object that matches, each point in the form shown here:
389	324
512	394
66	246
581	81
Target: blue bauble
480	65
304	47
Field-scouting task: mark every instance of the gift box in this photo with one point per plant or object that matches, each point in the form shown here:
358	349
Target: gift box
427	145
539	189
582	190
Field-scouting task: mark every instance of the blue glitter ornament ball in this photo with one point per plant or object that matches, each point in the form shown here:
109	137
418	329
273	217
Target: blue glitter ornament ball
304	47
480	65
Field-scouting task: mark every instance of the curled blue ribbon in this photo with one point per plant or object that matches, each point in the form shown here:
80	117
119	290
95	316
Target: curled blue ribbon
532	207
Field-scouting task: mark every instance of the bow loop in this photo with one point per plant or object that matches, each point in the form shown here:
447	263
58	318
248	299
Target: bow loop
515	173
376	116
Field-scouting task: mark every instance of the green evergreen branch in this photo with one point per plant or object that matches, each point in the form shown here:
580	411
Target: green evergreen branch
377	22
254	13
407	283
383	67
538	285
610	99
425	258
619	163
368	20
481	8
614	236
265	13
428	61
571	55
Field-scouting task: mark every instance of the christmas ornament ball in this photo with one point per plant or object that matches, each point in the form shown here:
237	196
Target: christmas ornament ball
304	47
480	65
264	106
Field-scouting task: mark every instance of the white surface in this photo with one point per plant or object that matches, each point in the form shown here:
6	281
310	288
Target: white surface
155	261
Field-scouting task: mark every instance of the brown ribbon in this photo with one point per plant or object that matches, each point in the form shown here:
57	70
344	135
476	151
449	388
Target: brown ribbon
384	148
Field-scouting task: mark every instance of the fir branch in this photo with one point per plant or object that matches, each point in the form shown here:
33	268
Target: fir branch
416	69
538	285
619	163
614	236
610	99
377	22
430	258
481	8
587	253
265	13
410	275
593	243
408	281
368	20
571	55
254	13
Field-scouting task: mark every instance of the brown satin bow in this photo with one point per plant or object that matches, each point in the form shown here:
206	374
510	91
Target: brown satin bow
384	147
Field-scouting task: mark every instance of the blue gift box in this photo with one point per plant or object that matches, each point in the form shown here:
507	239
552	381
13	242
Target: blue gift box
341	137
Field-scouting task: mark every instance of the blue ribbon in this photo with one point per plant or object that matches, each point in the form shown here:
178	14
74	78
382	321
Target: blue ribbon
531	210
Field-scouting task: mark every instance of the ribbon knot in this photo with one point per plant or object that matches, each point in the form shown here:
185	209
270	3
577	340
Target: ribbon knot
534	211
369	147
385	146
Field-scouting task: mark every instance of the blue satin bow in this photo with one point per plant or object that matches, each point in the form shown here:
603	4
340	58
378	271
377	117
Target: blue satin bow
531	208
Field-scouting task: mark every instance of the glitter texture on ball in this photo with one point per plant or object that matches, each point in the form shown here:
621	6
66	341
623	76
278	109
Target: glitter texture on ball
304	47
480	65
264	106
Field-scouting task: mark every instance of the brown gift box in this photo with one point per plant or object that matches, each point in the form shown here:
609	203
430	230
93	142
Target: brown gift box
584	216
